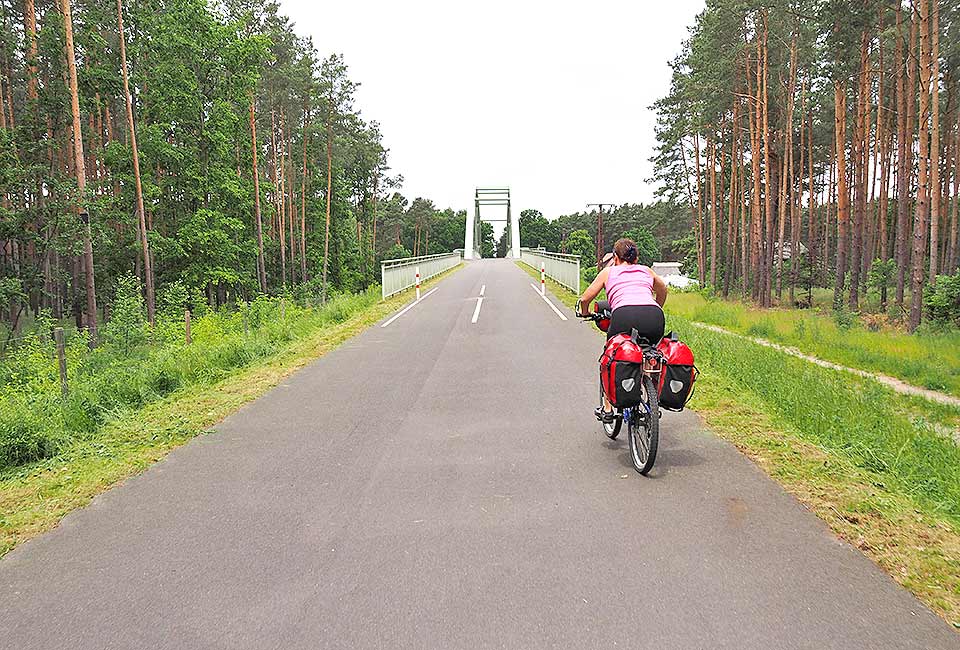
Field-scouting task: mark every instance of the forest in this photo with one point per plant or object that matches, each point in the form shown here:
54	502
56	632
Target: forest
804	146
217	156
816	144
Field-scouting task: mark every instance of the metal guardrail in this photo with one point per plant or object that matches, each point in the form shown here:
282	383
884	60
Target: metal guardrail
561	267
400	274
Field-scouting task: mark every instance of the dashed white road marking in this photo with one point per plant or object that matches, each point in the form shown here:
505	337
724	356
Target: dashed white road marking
409	307
482	289
476	312
547	300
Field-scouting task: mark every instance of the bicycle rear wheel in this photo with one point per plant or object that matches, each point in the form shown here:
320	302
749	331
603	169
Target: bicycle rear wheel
643	429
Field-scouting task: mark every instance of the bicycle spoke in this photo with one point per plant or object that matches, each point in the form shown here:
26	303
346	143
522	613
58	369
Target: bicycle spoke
642	446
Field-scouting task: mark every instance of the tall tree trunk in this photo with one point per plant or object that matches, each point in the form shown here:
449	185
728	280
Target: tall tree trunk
935	144
756	205
3	113
282	202
732	216
303	198
905	157
698	225
138	186
291	210
786	180
769	177
326	237
860	163
812	212
885	134
954	226
918	256
830	220
80	167
797	198
30	29
712	143
693	208
261	262
843	198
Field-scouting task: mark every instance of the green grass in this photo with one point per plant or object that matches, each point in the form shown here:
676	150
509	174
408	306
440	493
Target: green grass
918	548
868	461
36	495
136	366
842	413
927	359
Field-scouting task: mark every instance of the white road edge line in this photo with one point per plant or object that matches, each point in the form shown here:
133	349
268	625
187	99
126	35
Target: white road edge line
409	307
547	300
476	312
482	289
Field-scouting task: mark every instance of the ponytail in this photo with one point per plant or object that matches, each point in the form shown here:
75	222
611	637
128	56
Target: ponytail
626	250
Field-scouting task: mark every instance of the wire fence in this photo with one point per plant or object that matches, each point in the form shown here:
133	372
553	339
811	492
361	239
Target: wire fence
9	344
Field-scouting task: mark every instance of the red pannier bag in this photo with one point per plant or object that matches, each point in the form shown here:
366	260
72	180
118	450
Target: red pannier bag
621	371
677	373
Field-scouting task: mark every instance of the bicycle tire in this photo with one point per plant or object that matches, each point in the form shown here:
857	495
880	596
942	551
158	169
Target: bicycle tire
644	430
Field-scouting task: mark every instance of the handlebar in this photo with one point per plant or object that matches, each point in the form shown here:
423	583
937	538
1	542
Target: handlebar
594	316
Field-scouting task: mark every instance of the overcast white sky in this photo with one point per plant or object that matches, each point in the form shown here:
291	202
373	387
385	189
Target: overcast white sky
548	98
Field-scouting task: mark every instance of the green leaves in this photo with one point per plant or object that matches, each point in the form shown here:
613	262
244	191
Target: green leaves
579	242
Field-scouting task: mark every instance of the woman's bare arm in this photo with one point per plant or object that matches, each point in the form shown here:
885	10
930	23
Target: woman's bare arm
659	289
592	291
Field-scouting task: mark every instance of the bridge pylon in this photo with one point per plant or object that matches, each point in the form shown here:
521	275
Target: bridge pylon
490	196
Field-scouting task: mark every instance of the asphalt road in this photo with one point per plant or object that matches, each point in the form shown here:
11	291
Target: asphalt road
440	483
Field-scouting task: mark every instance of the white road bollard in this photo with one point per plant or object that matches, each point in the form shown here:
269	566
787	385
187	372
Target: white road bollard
543	279
418	283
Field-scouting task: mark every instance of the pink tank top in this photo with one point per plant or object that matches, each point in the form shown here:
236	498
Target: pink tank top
630	284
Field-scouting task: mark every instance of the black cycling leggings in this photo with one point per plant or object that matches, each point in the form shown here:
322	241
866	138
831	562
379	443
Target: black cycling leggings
646	319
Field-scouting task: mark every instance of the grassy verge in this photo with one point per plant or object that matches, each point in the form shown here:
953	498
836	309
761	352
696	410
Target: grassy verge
918	548
930	360
863	458
34	497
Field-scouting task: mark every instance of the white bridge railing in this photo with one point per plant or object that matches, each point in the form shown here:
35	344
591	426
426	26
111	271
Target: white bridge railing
561	267
397	275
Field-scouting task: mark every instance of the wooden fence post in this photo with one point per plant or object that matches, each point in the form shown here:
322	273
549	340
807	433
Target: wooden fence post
186	322
61	359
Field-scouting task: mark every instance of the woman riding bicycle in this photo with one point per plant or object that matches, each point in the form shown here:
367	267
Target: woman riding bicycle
636	296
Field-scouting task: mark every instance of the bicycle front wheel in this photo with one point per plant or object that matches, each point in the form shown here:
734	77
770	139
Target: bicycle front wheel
643	429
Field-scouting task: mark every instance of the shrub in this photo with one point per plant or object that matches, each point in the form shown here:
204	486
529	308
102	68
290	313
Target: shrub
25	437
127	326
844	318
172	301
943	302
397	252
881	274
580	243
